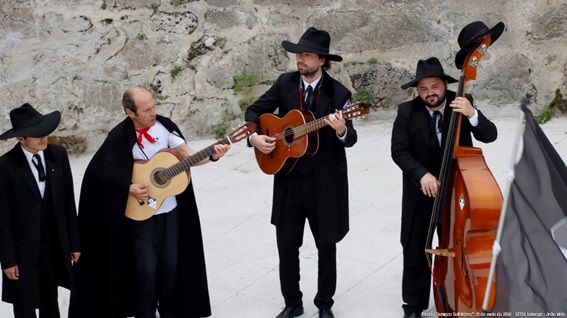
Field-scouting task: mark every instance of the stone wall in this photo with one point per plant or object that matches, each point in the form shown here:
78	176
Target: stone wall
78	56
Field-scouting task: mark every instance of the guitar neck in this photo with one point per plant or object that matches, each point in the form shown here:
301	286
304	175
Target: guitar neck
311	126
192	160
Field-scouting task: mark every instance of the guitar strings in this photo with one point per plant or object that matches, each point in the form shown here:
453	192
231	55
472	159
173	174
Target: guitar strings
308	127
181	166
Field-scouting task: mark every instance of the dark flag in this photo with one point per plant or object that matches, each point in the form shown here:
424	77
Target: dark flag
531	269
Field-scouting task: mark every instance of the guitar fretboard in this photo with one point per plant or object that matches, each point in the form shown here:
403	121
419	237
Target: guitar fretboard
309	127
350	112
185	164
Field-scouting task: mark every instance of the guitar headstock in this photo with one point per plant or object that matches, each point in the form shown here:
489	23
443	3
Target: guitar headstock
355	110
241	132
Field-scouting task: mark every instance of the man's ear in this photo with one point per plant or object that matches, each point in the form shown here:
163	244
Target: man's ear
129	112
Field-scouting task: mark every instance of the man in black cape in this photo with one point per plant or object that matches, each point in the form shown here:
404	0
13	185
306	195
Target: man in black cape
105	274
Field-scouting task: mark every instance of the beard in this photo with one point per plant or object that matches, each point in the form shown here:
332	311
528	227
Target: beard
306	71
434	103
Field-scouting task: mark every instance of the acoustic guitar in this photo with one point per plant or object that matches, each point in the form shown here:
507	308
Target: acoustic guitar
164	174
296	135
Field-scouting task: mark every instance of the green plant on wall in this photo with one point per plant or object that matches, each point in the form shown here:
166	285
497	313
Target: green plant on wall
226	124
220	131
545	115
558	103
175	71
154	7
178	2
362	95
243	84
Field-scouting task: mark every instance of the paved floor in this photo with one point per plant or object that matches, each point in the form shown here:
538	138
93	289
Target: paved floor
234	199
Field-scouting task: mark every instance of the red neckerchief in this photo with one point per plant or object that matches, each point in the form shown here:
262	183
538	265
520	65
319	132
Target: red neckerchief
144	132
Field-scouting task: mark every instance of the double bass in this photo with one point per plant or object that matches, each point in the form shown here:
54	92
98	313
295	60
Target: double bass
467	209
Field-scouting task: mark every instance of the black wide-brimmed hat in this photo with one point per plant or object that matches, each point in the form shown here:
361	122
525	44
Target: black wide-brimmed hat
430	67
469	36
313	41
28	122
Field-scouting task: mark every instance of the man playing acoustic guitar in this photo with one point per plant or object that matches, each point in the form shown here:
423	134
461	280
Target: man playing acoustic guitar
316	188
153	263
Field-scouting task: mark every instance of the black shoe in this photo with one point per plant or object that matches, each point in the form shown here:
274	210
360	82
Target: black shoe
412	314
289	312
326	313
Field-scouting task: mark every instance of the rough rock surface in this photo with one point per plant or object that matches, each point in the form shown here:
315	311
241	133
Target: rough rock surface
79	56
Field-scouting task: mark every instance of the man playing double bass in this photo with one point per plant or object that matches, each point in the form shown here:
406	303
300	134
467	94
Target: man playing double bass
418	139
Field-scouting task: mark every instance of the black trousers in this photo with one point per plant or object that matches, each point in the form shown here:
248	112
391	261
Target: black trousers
416	279
289	236
48	303
155	248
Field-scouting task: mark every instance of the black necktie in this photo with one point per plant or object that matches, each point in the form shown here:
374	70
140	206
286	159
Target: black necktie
439	121
436	122
309	97
39	166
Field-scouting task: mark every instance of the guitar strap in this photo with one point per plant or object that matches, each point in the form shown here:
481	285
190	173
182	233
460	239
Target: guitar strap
143	152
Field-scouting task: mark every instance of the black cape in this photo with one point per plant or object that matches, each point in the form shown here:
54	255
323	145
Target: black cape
104	272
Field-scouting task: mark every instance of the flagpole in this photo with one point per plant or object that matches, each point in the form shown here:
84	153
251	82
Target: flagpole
496	245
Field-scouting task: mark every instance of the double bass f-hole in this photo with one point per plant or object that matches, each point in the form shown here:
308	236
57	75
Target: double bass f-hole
462	263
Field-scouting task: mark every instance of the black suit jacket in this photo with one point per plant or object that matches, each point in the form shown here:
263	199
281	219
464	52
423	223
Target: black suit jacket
20	221
410	148
329	163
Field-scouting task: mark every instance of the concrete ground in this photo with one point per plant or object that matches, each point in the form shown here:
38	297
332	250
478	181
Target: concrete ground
234	199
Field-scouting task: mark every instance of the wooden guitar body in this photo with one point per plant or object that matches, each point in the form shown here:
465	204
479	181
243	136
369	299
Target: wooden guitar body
158	190
167	174
296	135
291	146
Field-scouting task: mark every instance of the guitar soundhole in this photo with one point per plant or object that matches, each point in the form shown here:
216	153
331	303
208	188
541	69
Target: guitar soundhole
159	178
288	136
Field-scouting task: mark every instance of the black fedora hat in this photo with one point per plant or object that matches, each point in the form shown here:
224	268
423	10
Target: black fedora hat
470	34
313	41
430	67
28	122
